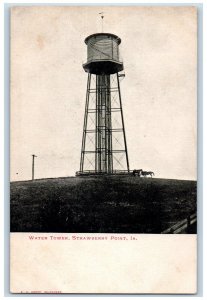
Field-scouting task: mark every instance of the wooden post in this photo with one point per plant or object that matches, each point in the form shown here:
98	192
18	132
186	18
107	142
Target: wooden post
33	158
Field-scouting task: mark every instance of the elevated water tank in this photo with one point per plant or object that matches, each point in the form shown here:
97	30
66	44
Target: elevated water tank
103	54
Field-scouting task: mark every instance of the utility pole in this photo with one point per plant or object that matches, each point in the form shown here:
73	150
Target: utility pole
33	158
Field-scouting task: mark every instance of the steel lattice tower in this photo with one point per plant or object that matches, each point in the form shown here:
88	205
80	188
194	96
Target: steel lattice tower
104	147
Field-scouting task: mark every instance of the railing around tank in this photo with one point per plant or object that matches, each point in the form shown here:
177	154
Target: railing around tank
97	58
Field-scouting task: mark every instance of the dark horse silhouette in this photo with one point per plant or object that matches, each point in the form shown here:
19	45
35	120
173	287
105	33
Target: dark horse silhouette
137	172
145	173
140	172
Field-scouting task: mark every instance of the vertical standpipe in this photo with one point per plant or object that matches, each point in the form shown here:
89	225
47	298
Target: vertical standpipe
103	143
104	147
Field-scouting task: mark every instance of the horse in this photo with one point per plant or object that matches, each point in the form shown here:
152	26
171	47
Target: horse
145	173
137	172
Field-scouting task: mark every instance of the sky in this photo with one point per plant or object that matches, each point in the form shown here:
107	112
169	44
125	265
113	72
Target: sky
48	87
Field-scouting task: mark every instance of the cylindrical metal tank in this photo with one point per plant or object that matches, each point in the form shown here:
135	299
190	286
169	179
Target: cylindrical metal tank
103	54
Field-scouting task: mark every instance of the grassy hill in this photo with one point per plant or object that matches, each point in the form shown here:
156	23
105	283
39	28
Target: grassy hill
108	204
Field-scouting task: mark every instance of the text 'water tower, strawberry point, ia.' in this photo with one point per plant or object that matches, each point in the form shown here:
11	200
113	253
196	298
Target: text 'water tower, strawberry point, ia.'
104	147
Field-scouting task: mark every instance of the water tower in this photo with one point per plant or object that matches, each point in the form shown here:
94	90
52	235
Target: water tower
104	147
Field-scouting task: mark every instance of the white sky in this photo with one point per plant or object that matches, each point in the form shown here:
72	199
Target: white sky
48	87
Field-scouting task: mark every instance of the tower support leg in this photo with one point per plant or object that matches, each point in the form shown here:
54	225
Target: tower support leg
122	117
85	124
